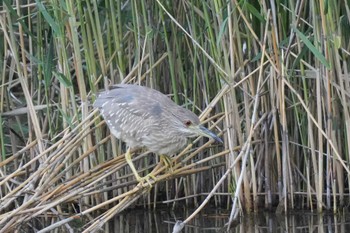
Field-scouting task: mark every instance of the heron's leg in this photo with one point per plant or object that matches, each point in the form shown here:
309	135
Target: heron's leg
136	174
131	165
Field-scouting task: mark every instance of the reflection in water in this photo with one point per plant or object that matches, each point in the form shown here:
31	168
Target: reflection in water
162	221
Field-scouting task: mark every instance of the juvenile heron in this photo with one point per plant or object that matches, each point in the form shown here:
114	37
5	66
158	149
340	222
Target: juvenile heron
144	117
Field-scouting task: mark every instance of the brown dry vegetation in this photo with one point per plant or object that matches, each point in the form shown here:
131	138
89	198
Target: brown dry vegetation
270	77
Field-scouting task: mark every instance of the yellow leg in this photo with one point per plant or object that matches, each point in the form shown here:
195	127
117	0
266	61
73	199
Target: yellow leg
136	174
131	164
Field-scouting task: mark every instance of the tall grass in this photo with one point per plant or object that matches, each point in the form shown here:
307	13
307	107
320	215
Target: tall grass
270	77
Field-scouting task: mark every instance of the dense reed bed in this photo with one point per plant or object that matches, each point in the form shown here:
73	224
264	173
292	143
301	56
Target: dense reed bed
270	77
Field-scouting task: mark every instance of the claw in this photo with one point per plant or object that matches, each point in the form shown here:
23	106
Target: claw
167	161
146	179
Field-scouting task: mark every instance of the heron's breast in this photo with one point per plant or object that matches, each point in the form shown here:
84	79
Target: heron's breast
164	145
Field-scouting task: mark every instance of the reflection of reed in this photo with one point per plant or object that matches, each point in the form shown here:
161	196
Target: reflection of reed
297	222
163	221
140	221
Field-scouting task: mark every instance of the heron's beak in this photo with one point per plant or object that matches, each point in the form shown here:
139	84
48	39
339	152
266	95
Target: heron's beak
201	130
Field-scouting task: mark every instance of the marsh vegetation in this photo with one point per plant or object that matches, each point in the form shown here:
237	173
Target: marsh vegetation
270	77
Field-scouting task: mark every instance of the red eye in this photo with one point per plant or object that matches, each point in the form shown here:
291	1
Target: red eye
188	123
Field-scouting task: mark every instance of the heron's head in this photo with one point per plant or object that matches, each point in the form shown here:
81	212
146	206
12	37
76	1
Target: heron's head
190	126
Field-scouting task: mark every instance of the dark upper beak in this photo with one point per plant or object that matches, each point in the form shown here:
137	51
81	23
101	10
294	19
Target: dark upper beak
201	130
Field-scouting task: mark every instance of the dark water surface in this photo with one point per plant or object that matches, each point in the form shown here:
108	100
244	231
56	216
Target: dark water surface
212	220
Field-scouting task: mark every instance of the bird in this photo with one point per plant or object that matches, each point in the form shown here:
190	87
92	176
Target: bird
143	117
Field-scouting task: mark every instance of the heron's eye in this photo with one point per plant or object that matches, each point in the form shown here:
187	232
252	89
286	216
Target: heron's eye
188	123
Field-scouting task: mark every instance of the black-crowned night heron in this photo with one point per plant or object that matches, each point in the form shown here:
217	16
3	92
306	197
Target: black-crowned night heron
144	117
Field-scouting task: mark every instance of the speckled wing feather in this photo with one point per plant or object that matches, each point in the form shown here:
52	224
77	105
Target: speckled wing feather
117	107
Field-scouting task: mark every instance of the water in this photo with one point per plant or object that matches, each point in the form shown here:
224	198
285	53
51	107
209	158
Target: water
211	220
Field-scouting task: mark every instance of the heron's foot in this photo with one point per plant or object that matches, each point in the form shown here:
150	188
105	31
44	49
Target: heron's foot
146	179
141	180
168	162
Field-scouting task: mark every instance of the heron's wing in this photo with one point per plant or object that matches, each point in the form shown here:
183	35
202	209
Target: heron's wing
132	112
